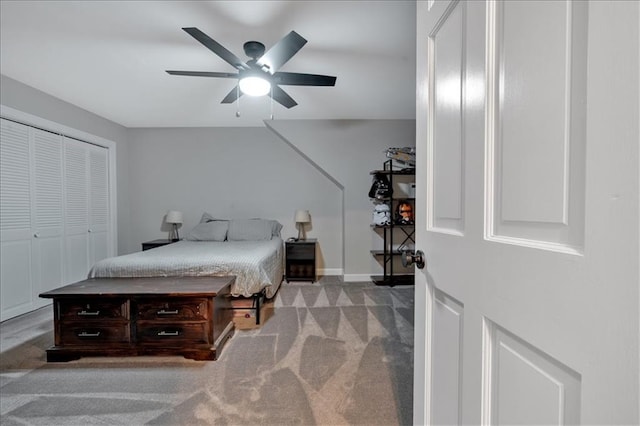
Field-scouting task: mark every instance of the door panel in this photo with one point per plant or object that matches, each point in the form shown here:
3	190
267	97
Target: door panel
526	385
445	209
15	274
536	144
528	309
76	177
447	359
48	214
15	220
99	204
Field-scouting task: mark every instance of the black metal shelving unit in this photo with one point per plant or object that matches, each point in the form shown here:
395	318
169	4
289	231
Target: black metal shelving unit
390	277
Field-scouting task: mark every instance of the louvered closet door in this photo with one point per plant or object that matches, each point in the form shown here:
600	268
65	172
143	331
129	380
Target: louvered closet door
47	220
15	220
98	204
76	205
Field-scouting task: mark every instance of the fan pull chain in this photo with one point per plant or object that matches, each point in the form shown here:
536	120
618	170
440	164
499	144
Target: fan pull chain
272	102
238	101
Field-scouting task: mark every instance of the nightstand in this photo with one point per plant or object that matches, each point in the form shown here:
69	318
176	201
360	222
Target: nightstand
155	243
301	260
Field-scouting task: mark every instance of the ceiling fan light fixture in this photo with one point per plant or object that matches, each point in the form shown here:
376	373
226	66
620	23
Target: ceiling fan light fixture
254	86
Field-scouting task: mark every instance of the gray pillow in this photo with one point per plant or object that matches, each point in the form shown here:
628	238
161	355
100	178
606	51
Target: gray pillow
206	217
250	230
209	231
276	227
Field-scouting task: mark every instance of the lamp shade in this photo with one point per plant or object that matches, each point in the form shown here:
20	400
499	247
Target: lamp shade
254	86
302	216
174	216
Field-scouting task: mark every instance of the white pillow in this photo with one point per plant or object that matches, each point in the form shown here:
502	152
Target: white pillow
209	231
250	230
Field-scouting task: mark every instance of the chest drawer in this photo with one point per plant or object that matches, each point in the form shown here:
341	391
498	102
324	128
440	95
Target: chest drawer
170	334
172	309
89	334
92	309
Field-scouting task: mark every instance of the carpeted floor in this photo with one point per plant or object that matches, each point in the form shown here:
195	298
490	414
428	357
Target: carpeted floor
329	353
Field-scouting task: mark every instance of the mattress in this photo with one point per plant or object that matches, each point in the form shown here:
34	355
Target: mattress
257	265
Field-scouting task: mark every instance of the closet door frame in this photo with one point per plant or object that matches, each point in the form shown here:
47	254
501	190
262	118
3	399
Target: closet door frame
44	124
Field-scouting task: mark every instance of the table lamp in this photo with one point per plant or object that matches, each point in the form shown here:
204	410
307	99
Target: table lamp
302	217
175	218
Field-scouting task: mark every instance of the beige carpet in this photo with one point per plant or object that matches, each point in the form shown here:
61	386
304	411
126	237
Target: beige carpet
330	354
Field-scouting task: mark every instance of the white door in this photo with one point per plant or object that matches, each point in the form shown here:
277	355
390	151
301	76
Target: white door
16	263
76	197
98	203
527	144
47	221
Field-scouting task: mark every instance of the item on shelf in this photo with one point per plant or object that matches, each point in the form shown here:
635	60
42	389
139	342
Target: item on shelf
381	215
405	156
407	188
404	213
380	188
393	218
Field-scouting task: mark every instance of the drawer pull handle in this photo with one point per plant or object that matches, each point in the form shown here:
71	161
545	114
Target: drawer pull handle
88	313
85	334
164	312
169	333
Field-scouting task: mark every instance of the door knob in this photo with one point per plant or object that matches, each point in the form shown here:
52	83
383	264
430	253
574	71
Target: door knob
409	258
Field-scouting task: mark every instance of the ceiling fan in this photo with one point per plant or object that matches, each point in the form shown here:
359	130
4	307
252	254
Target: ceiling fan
259	76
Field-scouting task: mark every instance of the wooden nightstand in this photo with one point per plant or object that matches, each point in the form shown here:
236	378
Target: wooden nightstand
155	243
301	260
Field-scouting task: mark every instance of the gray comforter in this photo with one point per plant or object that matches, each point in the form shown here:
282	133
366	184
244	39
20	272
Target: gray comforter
257	265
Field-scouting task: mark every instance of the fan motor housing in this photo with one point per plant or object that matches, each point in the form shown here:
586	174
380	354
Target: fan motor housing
254	49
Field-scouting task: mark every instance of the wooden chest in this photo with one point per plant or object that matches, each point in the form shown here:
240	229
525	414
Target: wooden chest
188	316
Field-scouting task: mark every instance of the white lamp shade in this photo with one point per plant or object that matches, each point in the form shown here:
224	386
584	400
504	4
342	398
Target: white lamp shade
174	216
303	216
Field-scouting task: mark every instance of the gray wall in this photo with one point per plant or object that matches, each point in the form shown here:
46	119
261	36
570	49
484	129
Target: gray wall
346	151
229	173
319	165
35	102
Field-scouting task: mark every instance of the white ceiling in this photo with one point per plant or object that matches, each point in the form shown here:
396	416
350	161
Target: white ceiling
110	57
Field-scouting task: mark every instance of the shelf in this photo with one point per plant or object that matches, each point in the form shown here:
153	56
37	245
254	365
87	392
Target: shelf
393	225
393	280
386	199
389	253
402	237
408	172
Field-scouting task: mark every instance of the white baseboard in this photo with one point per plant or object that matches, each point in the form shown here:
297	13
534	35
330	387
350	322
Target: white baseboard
357	277
330	272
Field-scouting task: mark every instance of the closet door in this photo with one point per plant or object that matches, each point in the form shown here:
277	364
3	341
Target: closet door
76	206
98	204
86	182
16	284
47	213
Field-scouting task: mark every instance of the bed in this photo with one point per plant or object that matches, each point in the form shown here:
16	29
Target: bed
250	249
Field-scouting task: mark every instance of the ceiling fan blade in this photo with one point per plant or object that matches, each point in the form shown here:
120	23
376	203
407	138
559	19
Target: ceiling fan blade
232	96
217	48
282	51
280	96
298	79
204	74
